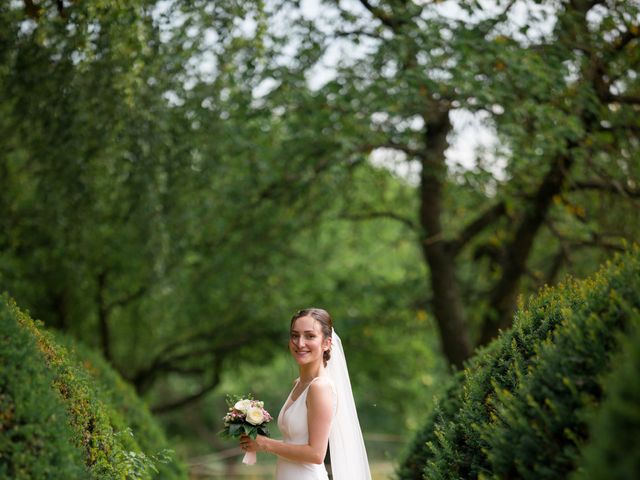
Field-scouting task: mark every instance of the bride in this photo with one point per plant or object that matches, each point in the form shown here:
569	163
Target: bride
320	408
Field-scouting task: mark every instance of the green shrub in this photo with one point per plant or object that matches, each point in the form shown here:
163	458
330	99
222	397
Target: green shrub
129	411
456	450
415	456
36	439
538	426
613	451
530	427
516	412
111	429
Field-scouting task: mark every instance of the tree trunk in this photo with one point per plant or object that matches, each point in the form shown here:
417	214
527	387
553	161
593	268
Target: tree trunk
504	293
447	303
103	316
61	309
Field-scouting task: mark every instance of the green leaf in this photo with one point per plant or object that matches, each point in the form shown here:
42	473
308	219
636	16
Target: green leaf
234	429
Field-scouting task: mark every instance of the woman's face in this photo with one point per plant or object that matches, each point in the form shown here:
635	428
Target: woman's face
306	342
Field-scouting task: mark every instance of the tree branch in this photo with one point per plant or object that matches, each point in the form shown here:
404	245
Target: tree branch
382	214
491	23
128	298
616	128
624	99
476	226
613	187
559	258
32	10
161	364
166	362
597	240
503	295
103	316
632	32
61	9
385	18
279	189
597	243
175	404
411	152
357	32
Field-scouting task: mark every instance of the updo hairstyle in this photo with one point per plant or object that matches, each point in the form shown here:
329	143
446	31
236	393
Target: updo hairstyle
326	325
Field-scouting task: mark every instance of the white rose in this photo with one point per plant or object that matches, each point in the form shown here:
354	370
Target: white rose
255	416
243	405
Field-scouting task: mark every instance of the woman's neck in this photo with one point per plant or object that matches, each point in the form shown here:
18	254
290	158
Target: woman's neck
309	372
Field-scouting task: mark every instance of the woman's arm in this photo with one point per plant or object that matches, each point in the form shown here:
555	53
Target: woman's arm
319	415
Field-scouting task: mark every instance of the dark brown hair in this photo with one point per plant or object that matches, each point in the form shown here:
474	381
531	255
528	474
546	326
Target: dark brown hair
326	325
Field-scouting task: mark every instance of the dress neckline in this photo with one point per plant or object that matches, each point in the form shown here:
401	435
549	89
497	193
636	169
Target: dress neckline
299	396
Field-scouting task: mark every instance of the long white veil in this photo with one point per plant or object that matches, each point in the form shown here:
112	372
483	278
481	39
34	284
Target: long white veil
348	453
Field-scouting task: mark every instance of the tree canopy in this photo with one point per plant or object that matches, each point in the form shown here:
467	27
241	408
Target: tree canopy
179	177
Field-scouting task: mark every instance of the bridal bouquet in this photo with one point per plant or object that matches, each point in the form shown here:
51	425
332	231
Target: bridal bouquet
245	416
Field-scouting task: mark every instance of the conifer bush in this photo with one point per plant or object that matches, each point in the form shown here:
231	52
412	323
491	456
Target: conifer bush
517	411
109	428
131	415
416	455
36	439
613	448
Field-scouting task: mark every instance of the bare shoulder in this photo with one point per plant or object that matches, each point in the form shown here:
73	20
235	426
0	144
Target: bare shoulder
321	386
320	398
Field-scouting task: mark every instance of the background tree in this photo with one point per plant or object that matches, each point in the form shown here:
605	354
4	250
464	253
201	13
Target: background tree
117	224
149	209
179	177
559	89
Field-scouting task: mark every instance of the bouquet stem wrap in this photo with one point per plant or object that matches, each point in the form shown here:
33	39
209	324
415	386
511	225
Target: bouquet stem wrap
249	458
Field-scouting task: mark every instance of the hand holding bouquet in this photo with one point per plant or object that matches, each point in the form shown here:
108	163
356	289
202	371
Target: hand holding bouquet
246	416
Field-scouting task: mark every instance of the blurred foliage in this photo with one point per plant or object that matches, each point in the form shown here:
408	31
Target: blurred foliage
533	206
399	353
91	414
518	409
173	189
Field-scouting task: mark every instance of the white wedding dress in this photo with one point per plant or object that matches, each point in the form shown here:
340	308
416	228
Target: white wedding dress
292	422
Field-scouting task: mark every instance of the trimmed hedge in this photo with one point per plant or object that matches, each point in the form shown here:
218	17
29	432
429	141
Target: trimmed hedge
36	439
131	413
111	430
515	413
415	456
613	452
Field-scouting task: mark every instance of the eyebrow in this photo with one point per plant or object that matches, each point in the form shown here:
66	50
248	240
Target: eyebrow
306	331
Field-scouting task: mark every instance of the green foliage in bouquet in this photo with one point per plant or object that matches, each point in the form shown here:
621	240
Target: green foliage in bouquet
517	411
613	450
98	411
236	423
